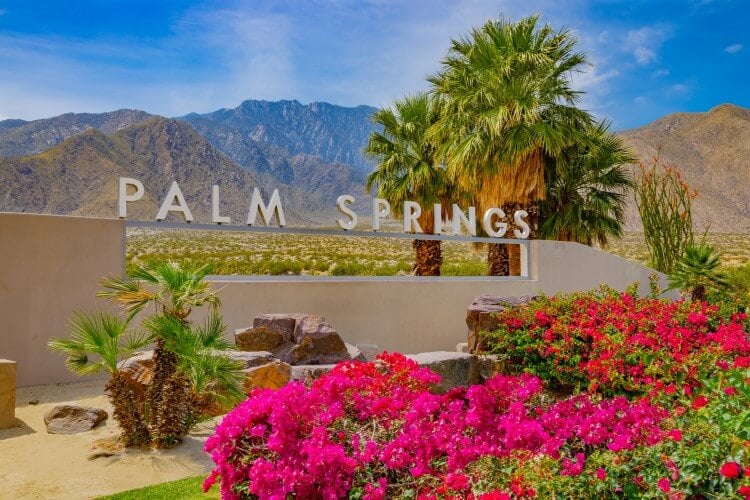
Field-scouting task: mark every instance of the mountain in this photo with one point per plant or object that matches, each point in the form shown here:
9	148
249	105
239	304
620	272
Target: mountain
79	176
20	137
712	151
336	134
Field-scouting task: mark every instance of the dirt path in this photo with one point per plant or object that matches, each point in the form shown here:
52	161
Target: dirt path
35	464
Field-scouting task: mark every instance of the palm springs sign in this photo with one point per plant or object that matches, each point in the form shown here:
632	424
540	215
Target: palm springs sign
131	190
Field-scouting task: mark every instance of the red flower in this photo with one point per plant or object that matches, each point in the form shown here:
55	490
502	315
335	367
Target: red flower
730	391
601	474
700	402
744	490
675	434
731	470
664	485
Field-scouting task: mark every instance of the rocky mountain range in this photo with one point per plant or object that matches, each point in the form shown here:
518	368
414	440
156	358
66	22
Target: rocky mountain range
311	153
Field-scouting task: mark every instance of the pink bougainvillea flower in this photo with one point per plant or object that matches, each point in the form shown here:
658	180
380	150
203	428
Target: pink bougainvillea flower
664	485
601	474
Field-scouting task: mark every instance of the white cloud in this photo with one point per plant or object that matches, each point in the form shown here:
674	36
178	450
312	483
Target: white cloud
639	99
679	89
734	48
644	43
660	73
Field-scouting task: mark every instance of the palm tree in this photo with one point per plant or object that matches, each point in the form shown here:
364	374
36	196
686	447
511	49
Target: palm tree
98	342
697	271
408	171
586	188
190	378
508	107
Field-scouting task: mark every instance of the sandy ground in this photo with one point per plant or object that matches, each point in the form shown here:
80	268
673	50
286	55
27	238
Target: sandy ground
35	464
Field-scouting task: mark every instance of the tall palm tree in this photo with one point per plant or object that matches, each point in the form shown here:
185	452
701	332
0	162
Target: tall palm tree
586	189
508	107
408	170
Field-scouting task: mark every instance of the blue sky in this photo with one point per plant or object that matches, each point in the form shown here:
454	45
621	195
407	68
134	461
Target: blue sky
649	58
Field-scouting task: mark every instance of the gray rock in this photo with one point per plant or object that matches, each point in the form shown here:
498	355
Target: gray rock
369	351
281	323
455	368
250	359
355	353
71	419
308	373
481	316
491	365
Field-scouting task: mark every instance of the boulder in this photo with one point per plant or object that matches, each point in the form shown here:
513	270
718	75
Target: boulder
369	351
317	343
296	339
455	368
491	365
259	338
139	367
71	419
355	353
267	376
308	373
249	359
481	315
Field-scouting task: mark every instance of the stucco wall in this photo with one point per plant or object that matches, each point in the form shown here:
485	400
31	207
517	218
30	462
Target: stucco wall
417	315
50	266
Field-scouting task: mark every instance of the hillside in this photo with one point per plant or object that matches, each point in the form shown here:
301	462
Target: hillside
20	137
712	150
79	175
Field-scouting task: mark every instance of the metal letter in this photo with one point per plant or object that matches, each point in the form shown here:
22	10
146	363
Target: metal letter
266	212
341	203
122	202
174	194
460	219
377	213
489	227
437	219
525	229
216	218
412	211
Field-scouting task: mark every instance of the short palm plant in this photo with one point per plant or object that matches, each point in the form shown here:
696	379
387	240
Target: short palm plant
697	271
190	377
98	341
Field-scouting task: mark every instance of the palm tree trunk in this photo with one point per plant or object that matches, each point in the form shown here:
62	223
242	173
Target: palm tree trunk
128	409
428	257
498	263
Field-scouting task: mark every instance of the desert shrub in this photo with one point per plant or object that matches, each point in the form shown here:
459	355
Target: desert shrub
664	202
617	343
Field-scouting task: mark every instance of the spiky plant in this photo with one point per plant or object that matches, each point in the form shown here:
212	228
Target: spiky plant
697	271
98	341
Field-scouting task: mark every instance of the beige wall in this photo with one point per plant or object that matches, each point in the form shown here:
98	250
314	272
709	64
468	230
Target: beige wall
50	266
418	315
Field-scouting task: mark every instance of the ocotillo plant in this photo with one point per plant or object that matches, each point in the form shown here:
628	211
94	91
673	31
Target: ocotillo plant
664	202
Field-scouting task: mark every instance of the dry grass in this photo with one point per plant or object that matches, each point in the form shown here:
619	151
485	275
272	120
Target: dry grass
277	254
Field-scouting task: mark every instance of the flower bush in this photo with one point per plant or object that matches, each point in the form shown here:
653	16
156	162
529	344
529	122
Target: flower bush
656	404
375	430
617	343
